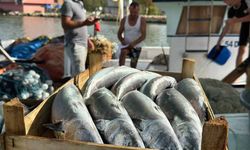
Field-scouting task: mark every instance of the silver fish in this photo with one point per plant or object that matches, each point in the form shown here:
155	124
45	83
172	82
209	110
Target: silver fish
105	78
155	86
190	89
112	120
71	118
150	121
182	117
131	82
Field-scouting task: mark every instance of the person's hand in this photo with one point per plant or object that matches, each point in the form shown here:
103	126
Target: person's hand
131	45
217	47
90	21
123	42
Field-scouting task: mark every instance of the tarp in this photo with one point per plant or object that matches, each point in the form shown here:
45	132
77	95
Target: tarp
52	55
27	50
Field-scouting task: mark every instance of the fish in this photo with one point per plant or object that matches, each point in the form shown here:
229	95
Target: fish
105	78
112	120
151	123
131	82
155	86
183	118
70	117
190	89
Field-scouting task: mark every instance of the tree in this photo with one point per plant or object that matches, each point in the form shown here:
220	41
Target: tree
148	7
91	5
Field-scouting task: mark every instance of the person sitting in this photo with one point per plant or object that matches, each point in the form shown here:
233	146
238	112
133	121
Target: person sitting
131	33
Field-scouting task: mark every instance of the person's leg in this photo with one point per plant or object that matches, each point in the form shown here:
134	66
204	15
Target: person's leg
79	59
134	59
123	55
240	56
67	61
243	42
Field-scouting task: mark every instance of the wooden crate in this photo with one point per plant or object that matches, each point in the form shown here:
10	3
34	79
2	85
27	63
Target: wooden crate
27	132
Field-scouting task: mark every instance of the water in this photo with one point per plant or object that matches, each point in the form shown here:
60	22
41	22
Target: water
13	27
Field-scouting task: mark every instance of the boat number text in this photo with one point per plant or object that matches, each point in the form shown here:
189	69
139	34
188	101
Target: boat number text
232	43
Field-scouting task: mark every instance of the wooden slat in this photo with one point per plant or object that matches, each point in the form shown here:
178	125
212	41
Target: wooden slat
201	13
14	117
236	73
188	67
6	55
95	62
215	134
81	79
209	108
177	76
38	143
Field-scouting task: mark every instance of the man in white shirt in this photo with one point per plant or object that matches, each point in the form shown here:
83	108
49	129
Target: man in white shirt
133	27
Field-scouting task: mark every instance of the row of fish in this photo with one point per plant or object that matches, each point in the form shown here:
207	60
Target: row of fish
128	107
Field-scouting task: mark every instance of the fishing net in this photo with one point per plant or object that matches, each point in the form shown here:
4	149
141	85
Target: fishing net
25	82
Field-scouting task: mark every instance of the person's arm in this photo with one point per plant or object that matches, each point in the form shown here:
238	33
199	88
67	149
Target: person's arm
68	23
143	33
224	32
120	32
237	20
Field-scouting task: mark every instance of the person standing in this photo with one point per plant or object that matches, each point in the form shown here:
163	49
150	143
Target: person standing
74	23
238	9
131	33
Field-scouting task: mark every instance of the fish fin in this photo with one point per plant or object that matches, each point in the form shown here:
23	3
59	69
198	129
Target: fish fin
58	126
137	123
102	124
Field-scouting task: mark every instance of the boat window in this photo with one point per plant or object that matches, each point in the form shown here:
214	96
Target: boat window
202	21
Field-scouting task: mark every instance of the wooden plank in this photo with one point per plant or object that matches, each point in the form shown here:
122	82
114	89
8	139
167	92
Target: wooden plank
95	62
6	55
188	66
14	117
209	108
202	13
215	135
38	143
236	73
81	79
177	76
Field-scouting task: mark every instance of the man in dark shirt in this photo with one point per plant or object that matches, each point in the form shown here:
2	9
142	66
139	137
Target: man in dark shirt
238	9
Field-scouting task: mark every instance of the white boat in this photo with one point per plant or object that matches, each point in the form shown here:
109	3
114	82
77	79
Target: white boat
193	28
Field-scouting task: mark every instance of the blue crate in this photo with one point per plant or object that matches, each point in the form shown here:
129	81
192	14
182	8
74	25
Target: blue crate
219	56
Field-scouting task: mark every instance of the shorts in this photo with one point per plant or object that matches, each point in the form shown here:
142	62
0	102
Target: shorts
75	56
244	32
135	53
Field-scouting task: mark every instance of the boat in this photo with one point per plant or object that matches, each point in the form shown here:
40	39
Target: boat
193	28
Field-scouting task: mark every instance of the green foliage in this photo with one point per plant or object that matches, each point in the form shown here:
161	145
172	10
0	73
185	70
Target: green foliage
91	5
148	7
